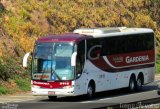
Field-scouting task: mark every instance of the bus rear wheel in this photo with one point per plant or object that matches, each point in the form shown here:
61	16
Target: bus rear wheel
139	83
52	98
132	84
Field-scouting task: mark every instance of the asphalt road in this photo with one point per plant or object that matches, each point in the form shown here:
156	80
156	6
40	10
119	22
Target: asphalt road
108	98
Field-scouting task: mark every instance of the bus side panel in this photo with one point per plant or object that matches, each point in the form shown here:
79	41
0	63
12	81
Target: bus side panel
149	75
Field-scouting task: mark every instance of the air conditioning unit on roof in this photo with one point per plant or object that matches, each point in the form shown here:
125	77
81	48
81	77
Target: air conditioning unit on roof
90	31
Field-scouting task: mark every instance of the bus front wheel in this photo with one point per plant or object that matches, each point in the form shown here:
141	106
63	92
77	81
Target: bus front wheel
90	91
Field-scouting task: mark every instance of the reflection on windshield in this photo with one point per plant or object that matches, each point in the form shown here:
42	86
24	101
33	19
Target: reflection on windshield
52	61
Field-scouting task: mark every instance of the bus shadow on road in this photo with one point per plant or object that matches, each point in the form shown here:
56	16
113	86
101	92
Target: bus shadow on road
102	95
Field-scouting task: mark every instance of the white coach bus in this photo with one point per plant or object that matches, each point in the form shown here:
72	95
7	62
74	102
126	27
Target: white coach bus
92	60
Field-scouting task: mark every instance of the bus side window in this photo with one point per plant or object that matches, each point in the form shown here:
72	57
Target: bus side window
80	58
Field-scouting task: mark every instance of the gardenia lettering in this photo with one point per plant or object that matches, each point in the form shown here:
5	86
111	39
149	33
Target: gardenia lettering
136	59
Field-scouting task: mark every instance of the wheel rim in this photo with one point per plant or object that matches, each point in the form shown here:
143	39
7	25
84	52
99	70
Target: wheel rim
90	91
139	83
132	85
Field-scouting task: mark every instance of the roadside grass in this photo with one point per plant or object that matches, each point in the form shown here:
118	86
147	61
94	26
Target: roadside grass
3	90
19	83
158	67
23	82
8	87
158	64
13	78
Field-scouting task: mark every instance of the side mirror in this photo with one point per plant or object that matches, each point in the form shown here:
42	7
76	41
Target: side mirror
73	59
25	59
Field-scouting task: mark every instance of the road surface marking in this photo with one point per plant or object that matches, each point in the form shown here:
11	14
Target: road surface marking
86	101
96	100
105	99
15	100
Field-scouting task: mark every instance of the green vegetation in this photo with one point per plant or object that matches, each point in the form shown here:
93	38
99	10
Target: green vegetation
23	21
158	67
23	83
8	87
3	90
13	78
158	64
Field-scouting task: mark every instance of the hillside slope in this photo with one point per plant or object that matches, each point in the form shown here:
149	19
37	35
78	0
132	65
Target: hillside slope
22	22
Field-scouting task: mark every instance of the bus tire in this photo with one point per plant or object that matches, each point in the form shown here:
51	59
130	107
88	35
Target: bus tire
139	83
132	84
90	90
52	98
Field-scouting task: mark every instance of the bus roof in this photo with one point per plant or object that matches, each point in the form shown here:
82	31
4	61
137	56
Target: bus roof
111	31
86	33
69	37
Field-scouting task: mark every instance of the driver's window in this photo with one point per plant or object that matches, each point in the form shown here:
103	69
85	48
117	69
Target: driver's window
80	58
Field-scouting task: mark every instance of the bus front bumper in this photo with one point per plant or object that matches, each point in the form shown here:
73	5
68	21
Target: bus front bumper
53	92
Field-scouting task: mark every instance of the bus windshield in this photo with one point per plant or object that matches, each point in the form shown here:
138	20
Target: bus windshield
52	61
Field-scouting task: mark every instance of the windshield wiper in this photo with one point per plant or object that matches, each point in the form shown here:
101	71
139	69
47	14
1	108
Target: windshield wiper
54	72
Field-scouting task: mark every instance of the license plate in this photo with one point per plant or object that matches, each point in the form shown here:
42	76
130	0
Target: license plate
51	93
